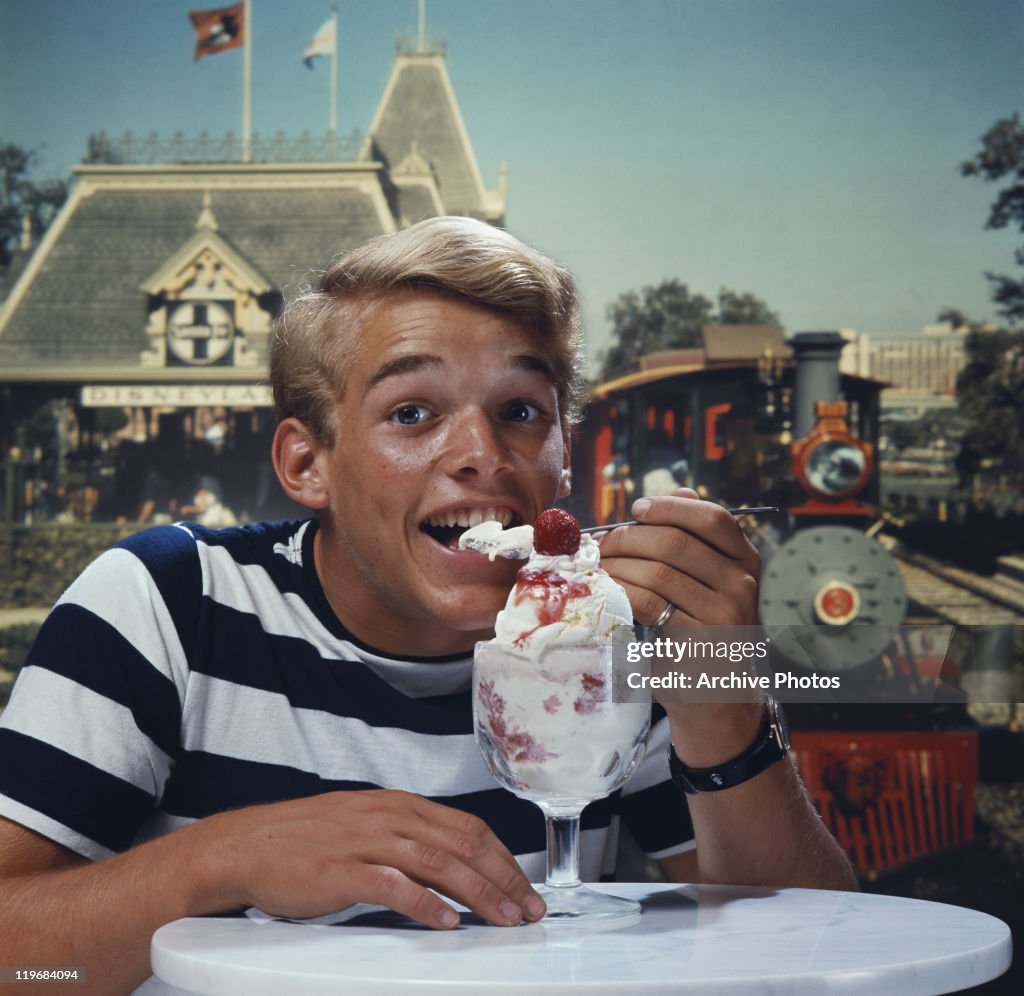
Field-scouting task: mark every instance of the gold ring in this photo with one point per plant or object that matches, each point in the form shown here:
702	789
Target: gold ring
666	614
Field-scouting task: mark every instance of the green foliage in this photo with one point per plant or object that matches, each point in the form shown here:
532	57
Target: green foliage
21	197
42	425
15	643
1002	158
946	424
670	316
744	309
107	421
990	393
990	388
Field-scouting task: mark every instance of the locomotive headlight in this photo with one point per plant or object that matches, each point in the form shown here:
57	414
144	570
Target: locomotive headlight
835	467
830	462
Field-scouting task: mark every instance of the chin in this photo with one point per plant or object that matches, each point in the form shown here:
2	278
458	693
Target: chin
475	619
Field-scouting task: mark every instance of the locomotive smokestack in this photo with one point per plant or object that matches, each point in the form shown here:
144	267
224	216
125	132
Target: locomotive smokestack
817	375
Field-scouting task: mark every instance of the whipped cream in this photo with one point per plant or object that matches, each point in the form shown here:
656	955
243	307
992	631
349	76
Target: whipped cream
564	598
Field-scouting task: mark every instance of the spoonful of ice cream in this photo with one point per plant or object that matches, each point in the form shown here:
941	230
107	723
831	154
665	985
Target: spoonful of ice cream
491	538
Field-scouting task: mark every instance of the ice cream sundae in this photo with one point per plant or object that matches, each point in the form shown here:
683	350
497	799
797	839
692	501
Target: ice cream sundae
561	595
549	717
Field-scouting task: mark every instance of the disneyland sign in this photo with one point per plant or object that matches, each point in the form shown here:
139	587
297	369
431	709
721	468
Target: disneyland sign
175	395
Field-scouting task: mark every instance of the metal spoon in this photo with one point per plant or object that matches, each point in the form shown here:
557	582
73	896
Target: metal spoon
757	510
517	543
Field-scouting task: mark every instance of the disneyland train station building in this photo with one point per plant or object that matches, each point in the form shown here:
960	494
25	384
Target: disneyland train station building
134	335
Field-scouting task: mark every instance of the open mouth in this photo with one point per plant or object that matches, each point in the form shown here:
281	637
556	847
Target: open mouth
446	527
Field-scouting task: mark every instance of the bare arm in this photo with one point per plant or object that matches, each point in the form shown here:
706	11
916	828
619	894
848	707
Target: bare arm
303	858
764	832
59	910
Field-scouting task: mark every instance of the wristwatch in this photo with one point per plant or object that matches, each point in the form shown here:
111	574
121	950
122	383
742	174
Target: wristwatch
770	745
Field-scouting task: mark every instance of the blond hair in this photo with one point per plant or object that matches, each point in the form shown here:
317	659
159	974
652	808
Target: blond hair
313	342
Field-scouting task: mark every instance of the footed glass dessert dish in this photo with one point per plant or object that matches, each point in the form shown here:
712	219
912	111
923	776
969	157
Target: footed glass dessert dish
557	726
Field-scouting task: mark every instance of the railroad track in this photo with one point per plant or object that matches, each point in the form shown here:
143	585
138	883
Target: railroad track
960	596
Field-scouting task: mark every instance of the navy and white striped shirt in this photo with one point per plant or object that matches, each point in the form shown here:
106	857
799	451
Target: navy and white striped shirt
190	670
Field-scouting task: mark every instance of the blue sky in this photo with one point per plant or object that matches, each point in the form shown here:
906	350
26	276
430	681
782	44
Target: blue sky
804	150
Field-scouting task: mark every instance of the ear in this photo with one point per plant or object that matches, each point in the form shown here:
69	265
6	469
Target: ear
565	480
295	455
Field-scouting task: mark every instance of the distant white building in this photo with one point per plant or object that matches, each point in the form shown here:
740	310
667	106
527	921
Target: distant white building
921	367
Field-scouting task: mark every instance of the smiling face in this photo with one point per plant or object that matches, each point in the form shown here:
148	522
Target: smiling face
449	416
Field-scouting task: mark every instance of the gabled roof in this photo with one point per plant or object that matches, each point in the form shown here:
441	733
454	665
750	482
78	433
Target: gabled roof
77	306
79	302
418	114
205	239
417	193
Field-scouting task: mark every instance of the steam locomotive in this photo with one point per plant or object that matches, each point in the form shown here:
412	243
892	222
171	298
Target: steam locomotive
753	419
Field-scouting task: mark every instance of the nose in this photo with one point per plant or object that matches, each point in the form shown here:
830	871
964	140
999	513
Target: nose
476	445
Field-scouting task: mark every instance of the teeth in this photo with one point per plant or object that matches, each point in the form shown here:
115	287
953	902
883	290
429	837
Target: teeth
467	517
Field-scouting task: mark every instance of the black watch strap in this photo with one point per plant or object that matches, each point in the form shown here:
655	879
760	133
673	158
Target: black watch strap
769	745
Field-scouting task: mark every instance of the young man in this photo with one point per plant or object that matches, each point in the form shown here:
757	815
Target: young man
278	715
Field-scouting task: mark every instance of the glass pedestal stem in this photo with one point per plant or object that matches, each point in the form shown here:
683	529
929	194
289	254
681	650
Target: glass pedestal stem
563	851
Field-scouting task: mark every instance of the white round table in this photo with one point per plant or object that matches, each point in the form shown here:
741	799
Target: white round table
689	939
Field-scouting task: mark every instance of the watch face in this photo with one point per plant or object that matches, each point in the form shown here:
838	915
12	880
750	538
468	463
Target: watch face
200	332
778	719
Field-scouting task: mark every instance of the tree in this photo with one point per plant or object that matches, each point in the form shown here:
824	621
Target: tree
743	309
990	388
669	316
1002	157
22	197
990	394
946	424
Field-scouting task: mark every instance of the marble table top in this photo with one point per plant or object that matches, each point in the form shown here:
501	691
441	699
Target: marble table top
689	939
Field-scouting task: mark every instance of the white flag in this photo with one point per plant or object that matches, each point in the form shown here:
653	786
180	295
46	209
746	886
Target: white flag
321	44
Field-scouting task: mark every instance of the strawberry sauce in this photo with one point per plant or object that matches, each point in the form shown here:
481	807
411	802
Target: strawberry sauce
593	694
549	591
514	744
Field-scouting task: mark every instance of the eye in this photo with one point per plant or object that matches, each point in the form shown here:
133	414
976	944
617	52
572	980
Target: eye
410	415
521	411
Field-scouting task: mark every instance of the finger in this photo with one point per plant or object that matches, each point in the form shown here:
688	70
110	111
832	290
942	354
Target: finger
385	847
650	586
648	605
435	847
669	553
384	885
464	858
712	523
470	837
439	869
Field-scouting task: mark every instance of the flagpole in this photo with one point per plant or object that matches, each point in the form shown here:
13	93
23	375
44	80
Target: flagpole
332	121
247	85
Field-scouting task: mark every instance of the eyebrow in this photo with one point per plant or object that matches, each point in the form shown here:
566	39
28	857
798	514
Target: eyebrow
404	365
421	361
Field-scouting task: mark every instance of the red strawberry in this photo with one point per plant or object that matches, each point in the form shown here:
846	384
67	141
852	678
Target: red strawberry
556	531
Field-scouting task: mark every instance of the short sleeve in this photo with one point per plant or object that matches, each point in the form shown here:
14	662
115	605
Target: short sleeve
91	732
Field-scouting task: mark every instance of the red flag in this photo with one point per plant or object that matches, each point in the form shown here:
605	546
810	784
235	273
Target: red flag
218	30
